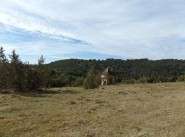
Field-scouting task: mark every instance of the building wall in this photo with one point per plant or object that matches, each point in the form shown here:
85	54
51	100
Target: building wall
107	80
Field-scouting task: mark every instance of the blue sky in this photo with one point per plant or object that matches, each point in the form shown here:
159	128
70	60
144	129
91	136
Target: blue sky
98	29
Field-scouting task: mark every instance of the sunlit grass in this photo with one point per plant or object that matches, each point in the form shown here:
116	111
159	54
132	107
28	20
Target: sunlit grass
118	110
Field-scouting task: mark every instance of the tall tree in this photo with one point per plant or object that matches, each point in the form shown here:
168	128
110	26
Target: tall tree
16	72
3	72
41	71
90	80
21	76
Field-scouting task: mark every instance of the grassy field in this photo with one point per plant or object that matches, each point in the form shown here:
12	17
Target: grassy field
139	110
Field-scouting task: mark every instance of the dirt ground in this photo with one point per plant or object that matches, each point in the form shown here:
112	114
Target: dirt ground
140	110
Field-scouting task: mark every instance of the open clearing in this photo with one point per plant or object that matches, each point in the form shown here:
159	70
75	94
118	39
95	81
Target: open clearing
138	110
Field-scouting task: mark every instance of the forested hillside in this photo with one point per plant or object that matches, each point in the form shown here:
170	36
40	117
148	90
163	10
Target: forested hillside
72	71
77	72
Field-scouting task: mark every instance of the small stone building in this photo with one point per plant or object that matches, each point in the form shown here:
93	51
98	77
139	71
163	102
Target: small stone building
108	77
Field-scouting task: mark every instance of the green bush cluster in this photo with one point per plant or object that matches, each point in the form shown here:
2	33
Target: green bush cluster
19	76
91	81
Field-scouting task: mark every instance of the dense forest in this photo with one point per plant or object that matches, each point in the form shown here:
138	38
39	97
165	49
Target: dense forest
71	72
23	76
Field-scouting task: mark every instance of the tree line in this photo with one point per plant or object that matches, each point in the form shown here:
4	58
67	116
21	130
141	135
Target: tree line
19	76
24	77
72	72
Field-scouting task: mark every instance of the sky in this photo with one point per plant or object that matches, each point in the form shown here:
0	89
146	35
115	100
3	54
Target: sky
93	29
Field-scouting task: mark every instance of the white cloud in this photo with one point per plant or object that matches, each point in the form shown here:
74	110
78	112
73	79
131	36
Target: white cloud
133	29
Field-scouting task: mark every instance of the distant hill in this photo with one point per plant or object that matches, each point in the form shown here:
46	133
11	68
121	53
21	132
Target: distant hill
167	70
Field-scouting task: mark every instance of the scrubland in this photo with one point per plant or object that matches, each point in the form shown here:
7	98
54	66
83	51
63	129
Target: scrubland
138	110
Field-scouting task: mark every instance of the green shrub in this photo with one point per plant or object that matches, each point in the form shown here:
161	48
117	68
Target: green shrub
181	78
78	82
91	81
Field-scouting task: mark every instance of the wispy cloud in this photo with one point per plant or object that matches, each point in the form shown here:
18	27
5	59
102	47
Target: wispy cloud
92	28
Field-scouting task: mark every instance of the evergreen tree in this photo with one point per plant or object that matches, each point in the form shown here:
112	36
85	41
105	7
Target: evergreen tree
41	73
21	76
90	80
3	72
16	73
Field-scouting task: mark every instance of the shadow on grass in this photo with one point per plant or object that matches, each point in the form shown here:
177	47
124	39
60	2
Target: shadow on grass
40	93
6	91
47	93
67	91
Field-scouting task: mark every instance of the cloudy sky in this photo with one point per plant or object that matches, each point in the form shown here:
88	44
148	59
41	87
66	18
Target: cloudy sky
98	29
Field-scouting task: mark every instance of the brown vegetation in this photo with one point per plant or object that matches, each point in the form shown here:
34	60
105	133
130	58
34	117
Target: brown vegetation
138	110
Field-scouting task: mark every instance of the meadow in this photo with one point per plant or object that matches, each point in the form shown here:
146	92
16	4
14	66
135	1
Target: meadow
133	110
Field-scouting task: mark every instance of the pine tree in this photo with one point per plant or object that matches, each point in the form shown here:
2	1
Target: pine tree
21	76
16	72
3	72
90	81
41	73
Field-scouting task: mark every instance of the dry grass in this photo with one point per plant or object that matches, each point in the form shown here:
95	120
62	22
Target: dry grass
140	110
